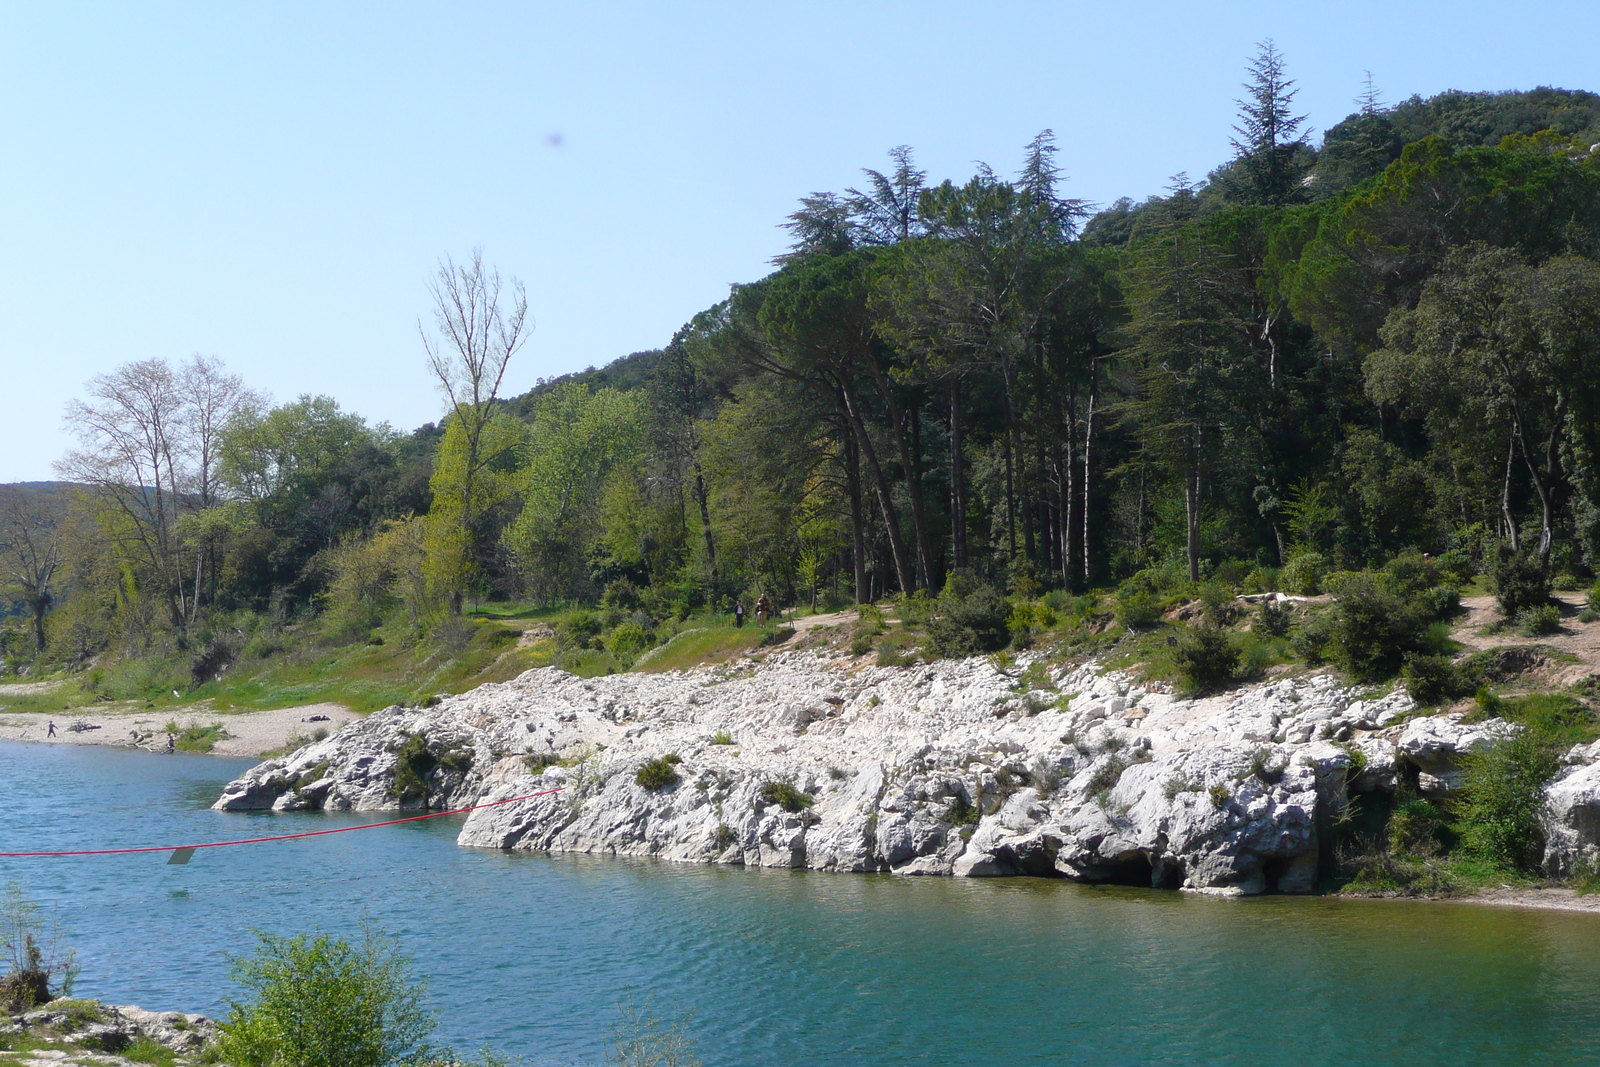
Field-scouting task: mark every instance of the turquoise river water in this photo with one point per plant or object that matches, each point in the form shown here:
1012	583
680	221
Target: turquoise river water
532	954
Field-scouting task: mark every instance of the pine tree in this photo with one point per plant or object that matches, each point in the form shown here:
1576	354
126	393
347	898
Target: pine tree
1272	143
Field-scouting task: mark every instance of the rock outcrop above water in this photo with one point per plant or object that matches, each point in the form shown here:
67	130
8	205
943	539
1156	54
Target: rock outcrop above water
88	1032
951	768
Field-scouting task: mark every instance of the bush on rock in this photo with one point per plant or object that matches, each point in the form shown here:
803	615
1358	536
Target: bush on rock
659	773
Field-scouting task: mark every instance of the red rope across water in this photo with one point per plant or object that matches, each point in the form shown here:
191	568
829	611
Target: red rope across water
279	837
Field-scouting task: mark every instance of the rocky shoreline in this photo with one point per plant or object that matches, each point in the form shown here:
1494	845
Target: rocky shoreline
960	767
68	1033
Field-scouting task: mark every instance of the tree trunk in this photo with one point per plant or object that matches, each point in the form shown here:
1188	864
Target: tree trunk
1088	456
958	492
1191	503
1070	536
1011	491
919	524
702	496
891	520
1506	517
858	540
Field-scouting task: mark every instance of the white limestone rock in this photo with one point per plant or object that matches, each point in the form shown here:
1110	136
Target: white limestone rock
946	768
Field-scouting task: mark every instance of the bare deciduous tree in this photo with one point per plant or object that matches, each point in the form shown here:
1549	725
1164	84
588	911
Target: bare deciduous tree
476	339
149	436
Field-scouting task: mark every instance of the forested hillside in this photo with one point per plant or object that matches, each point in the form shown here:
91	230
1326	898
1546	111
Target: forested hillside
1318	357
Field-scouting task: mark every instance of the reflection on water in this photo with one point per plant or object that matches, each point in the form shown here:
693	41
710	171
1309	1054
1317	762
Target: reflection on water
532	953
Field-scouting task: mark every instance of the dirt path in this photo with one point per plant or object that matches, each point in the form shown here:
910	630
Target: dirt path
250	733
846	617
1579	639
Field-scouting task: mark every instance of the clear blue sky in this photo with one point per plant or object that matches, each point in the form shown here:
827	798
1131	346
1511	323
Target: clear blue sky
273	183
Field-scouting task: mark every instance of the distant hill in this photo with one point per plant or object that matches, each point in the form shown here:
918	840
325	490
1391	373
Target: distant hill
630	372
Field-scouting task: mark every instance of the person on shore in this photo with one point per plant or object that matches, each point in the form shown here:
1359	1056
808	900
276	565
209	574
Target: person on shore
172	744
764	610
52	732
738	614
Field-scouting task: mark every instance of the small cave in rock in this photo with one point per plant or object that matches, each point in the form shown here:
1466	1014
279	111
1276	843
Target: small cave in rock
1273	868
1136	869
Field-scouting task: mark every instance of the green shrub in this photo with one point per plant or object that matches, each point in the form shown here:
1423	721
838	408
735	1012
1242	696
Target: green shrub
1439	601
577	630
971	619
1060	601
1539	621
1310	642
1260	580
1410	573
1027	619
1272	620
659	773
1371	629
34	952
1206	657
784	795
627	642
415	761
1138	609
860	645
320	1000
1303	574
1520	582
1416	828
894	651
722	737
1502	798
1434	679
963	812
1589	614
1456	566
622	595
1556	719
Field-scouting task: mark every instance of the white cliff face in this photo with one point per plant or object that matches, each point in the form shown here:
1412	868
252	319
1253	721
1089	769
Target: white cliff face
950	768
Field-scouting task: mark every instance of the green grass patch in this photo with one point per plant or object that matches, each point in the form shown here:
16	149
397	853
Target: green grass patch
145	1050
197	738
699	645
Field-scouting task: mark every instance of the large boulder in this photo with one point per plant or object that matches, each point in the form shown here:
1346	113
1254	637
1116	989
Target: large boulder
1435	745
1571	821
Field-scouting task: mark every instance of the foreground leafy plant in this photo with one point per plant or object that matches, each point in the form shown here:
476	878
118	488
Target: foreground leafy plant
321	1000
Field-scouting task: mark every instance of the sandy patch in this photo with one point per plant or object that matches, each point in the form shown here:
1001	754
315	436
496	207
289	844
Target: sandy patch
1554	898
250	733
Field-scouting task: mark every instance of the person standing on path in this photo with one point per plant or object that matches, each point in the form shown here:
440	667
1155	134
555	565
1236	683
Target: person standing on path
738	614
52	732
763	610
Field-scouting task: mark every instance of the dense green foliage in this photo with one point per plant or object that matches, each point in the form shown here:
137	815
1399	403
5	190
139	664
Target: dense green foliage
317	1000
1319	359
